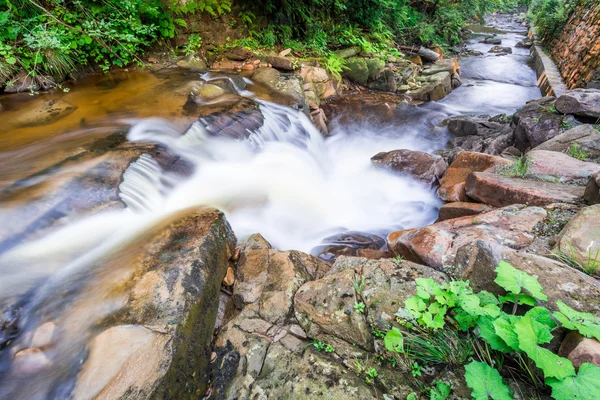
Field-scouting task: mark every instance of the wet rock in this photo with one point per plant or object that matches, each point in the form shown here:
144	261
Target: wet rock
348	52
42	112
202	93
31	361
559	167
492	40
433	87
584	136
386	82
325	307
500	50
289	85
193	62
423	167
461	209
592	190
282	63
525	43
533	131
271	277
452	184
235	119
477	263
499	191
375	66
239	53
319	119
357	70
350	244
446	65
436	245
580	238
312	74
581	102
26	83
579	349
456	81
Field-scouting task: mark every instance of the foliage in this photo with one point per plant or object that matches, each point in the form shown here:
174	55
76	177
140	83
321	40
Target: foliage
518	169
359	307
439	391
550	16
576	151
453	312
193	44
335	65
590	266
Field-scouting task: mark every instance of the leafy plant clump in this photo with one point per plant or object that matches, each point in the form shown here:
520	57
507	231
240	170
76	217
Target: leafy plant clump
507	332
518	169
578	152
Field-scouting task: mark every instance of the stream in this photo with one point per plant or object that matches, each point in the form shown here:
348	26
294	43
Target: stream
285	180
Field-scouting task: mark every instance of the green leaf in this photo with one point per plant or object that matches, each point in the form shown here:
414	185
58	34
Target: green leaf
585	323
180	22
426	287
532	329
415	306
11	60
412	396
441	391
486	382
515	281
394	341
465	321
586	385
488	333
504	326
523	299
486	298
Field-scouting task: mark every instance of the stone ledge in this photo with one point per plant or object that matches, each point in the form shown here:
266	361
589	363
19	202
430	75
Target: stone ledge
549	81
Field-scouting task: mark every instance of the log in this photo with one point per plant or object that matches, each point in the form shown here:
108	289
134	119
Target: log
425	53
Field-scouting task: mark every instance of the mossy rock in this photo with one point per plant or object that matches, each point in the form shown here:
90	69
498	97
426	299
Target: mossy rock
375	66
357	70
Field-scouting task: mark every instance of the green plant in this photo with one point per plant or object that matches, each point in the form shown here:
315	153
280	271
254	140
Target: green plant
358	284
439	391
335	65
416	369
590	266
359	307
320	346
576	151
371	375
520	336
517	169
193	45
329	349
398	260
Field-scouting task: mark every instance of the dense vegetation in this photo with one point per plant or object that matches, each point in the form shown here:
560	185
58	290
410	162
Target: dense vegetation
550	16
54	37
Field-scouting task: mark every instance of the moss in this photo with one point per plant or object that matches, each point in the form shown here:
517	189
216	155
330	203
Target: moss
357	70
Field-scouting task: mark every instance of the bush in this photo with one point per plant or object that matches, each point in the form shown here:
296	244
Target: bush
551	16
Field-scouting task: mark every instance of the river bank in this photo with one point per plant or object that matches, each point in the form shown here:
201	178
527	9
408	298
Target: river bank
117	280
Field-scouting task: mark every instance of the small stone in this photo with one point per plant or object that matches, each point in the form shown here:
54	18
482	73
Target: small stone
152	60
213	357
229	277
579	349
30	361
43	335
285	52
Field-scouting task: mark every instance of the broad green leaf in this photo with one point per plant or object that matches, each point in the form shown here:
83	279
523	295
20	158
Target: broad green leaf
515	281
586	385
415	306
585	323
486	382
426	287
394	341
465	321
532	329
441	391
523	299
412	396
487	298
11	60
504	327
488	333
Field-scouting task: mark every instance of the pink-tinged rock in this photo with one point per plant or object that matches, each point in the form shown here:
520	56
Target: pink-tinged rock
424	167
436	245
580	238
579	349
592	190
559	167
452	184
499	191
460	209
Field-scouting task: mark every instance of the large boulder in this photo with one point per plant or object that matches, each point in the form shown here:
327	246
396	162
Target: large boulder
433	87
289	85
40	112
139	326
446	65
436	245
580	238
559	167
477	262
536	122
424	167
499	191
193	62
584	136
582	102
452	184
357	70
592	190
480	133
461	209
351	243
282	63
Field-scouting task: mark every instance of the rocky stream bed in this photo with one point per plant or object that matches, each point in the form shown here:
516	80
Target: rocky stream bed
185	233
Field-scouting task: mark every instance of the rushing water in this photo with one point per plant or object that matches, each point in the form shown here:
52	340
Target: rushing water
285	181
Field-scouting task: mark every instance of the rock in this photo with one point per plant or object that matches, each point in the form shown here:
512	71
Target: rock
525	43
285	52
446	65
312	74
434	87
423	167
239	53
491	40
289	85
456	81
271	277
477	262
26	83
436	245
580	238
559	167
204	92
229	279
584	136
500	49
581	102
579	349
592	190
357	70
223	64
499	191
42	112
158	343
375	66
385	82
536	123
325	307
314	102
473	125
452	184
194	62
319	119
348	52
283	63
350	243
461	209
30	361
